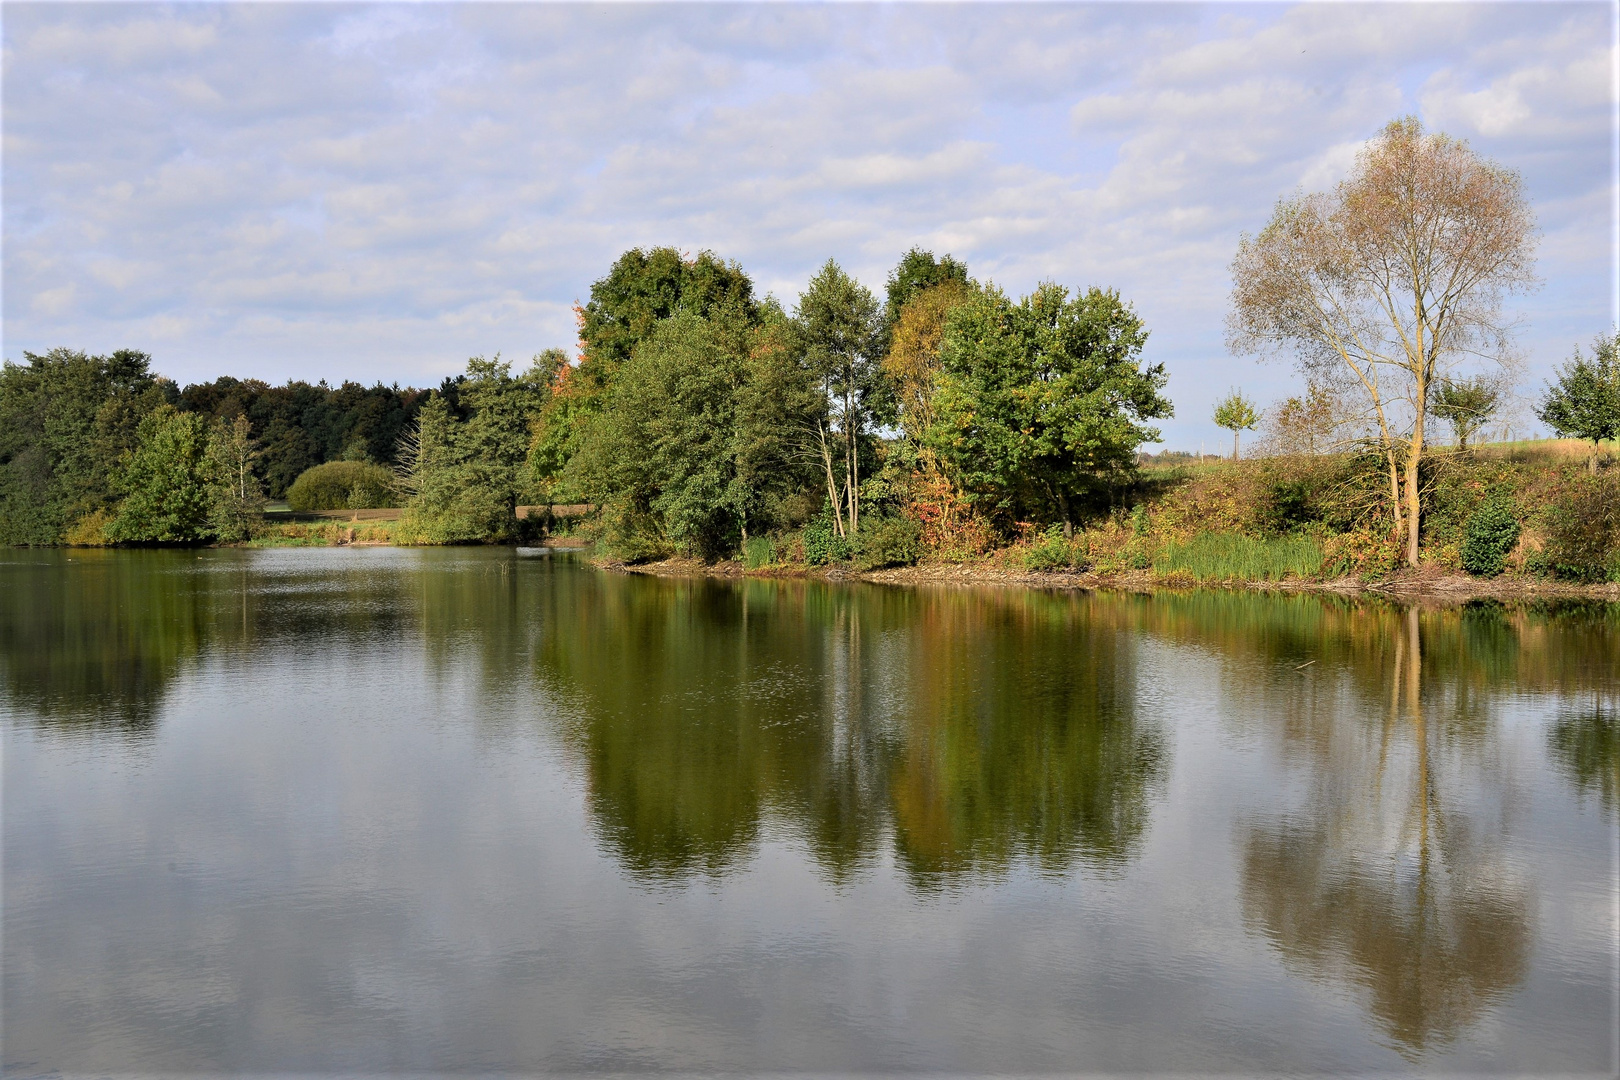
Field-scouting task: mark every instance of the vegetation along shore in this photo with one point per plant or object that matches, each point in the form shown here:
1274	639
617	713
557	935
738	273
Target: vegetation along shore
945	430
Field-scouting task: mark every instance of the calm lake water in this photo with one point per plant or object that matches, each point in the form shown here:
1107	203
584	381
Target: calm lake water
336	811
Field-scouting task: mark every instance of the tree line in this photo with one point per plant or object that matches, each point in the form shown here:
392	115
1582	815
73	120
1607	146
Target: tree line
82	434
699	415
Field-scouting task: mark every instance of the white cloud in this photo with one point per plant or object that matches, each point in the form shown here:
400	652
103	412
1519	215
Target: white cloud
380	192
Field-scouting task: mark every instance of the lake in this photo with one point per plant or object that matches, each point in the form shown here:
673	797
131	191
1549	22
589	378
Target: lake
491	810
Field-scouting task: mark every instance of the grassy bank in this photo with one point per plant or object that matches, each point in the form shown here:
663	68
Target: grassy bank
323	534
1505	518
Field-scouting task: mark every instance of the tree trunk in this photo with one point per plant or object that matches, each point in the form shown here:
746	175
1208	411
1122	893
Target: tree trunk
1063	507
1413	458
1591	462
1394	488
851	468
832	480
1235	445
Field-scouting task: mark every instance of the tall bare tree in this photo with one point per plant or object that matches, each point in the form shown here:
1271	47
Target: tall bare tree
1398	272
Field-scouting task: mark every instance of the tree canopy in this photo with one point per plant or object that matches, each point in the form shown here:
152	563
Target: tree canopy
467	475
1466	404
66	421
644	287
1041	403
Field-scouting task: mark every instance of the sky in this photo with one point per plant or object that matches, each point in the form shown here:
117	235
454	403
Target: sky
379	192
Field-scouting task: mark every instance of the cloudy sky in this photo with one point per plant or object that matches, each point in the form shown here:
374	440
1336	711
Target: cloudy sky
379	192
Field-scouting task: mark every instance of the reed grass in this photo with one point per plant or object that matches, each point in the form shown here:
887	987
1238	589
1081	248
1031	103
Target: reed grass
1235	557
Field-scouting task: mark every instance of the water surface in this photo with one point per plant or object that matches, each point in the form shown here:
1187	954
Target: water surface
384	810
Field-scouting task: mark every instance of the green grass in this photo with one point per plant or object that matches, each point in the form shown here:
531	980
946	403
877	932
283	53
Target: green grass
1234	557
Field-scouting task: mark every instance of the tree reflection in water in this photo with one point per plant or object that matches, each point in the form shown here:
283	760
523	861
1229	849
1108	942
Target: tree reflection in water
1390	875
94	649
975	728
1586	742
963	733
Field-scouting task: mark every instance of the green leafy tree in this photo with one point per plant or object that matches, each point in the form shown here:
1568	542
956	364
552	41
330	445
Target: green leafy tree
697	439
777	405
168	482
640	290
238	495
1466	404
842	330
1585	401
467	477
917	272
1236	414
645	287
66	421
1042	402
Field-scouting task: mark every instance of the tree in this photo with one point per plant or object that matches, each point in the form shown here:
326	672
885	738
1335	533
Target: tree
168	482
697	438
912	362
659	459
66	421
1311	424
644	287
778	403
1237	414
1466	404
238	503
1041	402
916	273
1398	272
841	329
1585	401
467	477
639	291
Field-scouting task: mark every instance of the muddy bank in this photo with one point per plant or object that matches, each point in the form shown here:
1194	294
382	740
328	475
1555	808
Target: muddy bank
1432	586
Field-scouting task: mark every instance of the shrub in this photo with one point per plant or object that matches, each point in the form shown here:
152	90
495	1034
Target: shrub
822	544
1234	557
1050	551
758	551
887	541
1490	534
1287	504
951	528
342	485
1583	532
90	530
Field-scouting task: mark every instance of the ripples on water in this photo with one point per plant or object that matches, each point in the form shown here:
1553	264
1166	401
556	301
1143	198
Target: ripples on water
421	811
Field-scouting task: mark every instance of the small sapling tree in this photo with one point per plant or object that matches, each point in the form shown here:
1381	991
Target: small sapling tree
1466	404
1236	414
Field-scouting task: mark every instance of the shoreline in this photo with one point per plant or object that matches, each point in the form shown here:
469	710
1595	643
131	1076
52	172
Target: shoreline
1432	586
